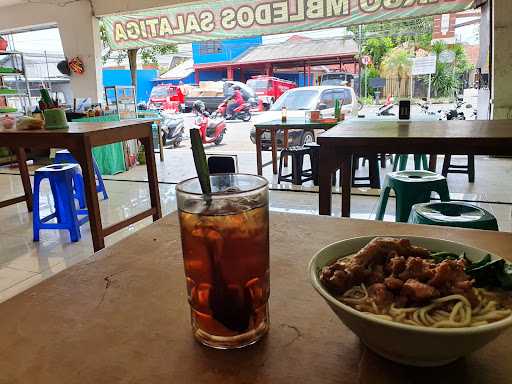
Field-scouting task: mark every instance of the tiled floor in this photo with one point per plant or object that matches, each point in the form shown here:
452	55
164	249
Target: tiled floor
24	263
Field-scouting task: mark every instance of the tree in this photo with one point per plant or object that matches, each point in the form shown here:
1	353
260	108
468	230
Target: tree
148	55
377	48
397	63
391	34
448	76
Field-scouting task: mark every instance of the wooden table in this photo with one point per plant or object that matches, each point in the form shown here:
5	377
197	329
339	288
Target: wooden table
79	139
273	126
122	316
338	145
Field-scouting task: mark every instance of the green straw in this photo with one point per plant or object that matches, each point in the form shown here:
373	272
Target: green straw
200	161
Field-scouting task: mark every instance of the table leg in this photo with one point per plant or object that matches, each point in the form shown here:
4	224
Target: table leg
83	155
21	156
154	193
326	160
259	162
160	141
285	145
432	163
274	150
346	184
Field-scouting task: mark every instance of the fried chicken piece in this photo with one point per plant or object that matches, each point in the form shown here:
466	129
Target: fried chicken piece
380	294
450	278
393	283
417	268
448	272
396	265
418	292
376	275
381	247
355	270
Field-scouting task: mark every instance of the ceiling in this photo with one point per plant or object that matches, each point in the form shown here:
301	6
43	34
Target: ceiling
6	3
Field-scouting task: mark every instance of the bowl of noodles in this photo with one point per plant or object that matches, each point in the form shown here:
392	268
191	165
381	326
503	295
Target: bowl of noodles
416	301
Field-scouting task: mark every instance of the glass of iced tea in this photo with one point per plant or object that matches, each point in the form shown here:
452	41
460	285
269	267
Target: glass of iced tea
225	243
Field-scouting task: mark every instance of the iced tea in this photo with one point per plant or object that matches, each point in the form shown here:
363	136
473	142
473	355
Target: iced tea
226	256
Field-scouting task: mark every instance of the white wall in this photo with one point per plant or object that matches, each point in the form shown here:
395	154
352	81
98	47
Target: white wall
78	31
502	72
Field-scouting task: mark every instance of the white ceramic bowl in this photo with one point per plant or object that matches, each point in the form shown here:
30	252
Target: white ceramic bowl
406	344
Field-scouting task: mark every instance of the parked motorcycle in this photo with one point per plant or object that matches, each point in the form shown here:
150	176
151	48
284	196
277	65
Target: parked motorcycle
385	109
172	126
242	112
455	113
212	129
426	106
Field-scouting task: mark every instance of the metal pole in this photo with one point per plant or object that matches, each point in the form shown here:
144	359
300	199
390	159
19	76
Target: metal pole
410	96
429	86
366	81
48	72
360	53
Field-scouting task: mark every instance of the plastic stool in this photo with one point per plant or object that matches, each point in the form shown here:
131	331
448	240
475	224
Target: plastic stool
61	178
298	175
400	162
411	187
373	178
314	155
65	156
468	169
462	215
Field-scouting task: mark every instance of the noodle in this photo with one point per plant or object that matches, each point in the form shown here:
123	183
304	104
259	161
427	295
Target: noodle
453	311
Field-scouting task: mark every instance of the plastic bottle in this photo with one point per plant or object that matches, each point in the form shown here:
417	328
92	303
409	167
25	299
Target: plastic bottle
337	110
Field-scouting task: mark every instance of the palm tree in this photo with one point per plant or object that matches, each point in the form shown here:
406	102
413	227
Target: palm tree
397	63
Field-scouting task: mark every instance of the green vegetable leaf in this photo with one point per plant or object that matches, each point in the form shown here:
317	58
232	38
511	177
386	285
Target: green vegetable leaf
486	275
505	276
485	260
441	256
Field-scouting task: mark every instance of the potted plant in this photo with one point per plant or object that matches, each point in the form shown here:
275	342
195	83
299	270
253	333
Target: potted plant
3	44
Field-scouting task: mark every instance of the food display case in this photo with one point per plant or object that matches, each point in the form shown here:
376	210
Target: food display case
121	100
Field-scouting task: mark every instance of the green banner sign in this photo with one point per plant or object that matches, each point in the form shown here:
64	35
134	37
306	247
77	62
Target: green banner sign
228	19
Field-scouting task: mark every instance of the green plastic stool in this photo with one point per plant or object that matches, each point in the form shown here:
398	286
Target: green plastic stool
400	162
462	215
411	187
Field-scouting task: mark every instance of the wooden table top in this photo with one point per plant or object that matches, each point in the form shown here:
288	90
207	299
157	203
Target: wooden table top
78	128
405	129
295	123
122	316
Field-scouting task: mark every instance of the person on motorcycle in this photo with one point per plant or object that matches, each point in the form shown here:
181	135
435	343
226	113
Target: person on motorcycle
237	99
199	107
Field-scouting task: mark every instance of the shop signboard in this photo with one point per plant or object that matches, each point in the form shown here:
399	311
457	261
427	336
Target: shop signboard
229	19
424	65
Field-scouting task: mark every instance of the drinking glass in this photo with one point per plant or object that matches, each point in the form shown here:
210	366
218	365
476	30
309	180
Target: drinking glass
225	242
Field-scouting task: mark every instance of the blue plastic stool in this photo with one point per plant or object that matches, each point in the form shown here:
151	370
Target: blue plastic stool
61	178
65	156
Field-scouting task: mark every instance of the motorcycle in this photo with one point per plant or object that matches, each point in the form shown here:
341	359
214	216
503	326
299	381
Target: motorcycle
172	126
455	113
211	129
425	107
242	112
385	109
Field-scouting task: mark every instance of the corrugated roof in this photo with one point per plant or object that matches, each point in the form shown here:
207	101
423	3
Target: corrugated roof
180	71
296	50
39	67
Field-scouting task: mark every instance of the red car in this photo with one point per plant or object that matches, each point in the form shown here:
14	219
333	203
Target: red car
167	97
268	89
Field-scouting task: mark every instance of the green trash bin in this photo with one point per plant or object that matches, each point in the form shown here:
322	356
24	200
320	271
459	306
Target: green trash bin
453	214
